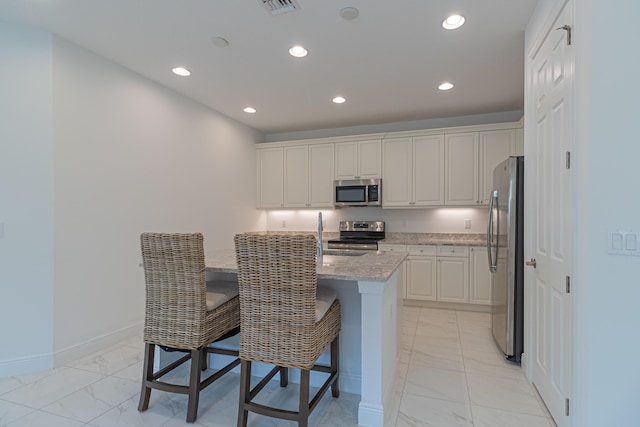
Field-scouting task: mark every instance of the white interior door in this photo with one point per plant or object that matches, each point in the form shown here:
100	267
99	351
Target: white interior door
549	207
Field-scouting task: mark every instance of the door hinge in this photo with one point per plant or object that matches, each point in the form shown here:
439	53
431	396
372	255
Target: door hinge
567	28
566	407
568	160
568	284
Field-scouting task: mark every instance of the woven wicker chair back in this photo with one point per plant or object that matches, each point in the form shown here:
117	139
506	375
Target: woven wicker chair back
174	272
277	281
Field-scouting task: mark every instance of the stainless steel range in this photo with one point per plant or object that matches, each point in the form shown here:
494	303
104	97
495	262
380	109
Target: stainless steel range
360	235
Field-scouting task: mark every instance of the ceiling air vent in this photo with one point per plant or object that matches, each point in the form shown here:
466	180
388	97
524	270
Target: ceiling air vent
278	7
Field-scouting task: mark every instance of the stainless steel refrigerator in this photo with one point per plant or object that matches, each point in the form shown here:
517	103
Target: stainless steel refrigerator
505	235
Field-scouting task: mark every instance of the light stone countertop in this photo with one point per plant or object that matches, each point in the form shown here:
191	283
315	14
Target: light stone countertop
373	266
461	239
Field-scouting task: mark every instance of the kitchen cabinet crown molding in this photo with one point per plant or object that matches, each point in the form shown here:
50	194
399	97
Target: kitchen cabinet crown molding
398	134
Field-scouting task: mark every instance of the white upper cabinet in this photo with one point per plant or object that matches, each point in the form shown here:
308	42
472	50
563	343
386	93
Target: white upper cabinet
461	166
397	176
439	167
470	160
358	159
270	176
413	171
321	171
299	176
428	170
495	147
296	176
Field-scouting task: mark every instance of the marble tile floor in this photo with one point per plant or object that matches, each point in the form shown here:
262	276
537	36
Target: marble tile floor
450	374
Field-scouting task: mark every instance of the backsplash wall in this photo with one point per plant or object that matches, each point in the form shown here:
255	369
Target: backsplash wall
436	220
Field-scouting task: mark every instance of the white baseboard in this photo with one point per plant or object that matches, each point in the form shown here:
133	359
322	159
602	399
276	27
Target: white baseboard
76	351
25	365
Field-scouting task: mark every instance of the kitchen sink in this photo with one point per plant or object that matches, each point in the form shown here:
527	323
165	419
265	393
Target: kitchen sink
342	252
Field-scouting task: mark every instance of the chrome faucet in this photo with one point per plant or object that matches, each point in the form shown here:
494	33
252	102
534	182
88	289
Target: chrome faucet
319	249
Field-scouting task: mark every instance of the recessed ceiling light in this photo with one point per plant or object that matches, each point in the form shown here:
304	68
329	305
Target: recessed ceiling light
220	41
349	13
298	51
181	71
445	86
453	22
339	100
250	110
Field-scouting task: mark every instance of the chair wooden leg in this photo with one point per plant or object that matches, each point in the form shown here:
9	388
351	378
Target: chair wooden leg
194	385
284	376
335	366
303	408
245	388
147	375
204	360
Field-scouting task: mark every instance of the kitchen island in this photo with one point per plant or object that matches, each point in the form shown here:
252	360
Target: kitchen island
367	286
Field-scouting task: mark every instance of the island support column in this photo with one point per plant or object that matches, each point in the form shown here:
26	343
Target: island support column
380	351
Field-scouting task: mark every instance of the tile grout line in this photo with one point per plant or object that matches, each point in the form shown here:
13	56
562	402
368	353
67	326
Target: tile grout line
464	366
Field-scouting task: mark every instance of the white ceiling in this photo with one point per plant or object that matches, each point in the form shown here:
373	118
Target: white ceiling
387	63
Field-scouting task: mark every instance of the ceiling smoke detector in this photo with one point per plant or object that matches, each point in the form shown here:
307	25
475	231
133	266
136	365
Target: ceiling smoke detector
278	7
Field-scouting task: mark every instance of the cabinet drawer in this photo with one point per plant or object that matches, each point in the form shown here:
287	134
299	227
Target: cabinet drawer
453	251
422	250
386	247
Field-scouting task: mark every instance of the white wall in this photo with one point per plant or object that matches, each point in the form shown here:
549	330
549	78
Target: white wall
26	200
437	220
608	287
131	156
93	155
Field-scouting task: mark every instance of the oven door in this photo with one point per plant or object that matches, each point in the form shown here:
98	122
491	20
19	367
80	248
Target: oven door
357	245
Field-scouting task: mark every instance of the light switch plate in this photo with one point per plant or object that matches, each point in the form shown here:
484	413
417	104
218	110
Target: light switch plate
1	230
623	242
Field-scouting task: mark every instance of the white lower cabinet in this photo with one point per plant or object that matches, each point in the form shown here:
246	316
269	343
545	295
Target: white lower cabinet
421	273
480	280
453	274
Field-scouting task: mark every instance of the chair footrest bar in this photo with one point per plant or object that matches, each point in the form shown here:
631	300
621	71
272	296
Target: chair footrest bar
220	372
254	391
170	367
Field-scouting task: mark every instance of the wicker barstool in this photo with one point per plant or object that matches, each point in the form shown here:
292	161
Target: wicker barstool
284	320
183	314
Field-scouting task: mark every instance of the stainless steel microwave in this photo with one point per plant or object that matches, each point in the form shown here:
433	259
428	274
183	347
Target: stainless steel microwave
357	192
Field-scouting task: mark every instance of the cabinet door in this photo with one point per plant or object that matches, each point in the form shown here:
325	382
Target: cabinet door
321	164
421	278
370	159
346	162
453	279
495	147
480	277
397	172
390	247
461	166
428	171
519	142
296	177
270	177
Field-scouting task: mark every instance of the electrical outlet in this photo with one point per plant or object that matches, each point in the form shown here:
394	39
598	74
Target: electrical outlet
467	223
284	223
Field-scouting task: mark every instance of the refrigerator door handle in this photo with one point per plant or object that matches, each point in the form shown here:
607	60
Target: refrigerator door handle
493	267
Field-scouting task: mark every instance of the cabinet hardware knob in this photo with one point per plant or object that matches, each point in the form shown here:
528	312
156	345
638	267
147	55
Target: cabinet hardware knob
531	263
